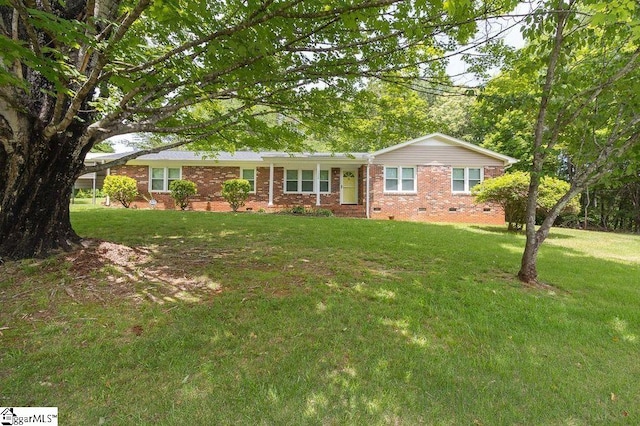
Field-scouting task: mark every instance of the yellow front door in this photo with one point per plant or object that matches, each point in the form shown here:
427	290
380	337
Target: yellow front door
349	187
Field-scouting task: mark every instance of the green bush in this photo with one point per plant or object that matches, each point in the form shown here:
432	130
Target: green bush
298	210
511	190
551	190
181	190
322	212
121	188
82	194
88	193
236	192
303	211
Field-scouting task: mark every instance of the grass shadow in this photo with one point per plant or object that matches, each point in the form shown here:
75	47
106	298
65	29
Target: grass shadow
495	229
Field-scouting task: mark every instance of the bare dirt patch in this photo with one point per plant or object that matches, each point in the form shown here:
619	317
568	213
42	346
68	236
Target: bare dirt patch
103	269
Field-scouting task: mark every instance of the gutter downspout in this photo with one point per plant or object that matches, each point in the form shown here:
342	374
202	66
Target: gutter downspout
368	192
316	183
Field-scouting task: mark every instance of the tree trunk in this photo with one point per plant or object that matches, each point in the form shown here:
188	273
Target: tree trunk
528	273
36	182
528	270
528	267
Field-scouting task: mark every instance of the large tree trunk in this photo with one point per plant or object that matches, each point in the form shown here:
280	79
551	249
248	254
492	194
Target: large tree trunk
36	182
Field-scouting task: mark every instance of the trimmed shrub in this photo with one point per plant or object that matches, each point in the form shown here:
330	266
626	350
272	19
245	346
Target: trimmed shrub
121	188
236	192
510	191
551	190
181	190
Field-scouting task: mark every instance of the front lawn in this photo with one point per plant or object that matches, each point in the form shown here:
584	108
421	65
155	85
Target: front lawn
214	318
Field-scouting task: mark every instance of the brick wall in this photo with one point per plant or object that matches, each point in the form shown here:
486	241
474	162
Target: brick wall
209	183
434	201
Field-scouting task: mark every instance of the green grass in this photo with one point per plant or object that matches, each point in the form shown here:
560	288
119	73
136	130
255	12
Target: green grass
269	319
78	204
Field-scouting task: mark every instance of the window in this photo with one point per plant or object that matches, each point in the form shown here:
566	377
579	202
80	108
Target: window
465	178
400	179
249	175
458	180
474	177
303	181
292	181
307	181
161	177
324	180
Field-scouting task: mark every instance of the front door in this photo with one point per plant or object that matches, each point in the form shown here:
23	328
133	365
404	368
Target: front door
349	187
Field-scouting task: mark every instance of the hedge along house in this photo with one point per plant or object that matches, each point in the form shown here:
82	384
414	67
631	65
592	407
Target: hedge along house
425	179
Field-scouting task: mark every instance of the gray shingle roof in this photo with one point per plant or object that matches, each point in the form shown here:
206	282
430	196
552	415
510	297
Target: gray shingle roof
189	156
228	156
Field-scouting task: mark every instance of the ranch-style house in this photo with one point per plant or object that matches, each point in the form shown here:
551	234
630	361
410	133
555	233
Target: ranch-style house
425	179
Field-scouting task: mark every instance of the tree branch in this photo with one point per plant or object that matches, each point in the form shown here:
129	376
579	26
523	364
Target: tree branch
123	160
17	65
561	122
21	9
87	88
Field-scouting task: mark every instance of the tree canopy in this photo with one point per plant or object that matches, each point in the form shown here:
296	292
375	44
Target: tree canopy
144	66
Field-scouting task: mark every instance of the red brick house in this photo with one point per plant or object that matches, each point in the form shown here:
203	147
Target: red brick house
425	179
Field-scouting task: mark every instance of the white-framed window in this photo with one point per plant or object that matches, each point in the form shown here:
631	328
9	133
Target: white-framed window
250	176
302	180
465	178
400	179
324	181
306	181
291	181
161	177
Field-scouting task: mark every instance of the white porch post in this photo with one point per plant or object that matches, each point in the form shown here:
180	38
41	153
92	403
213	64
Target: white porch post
270	185
107	202
367	191
317	184
93	187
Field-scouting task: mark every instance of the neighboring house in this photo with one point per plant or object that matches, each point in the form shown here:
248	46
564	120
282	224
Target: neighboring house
425	179
91	180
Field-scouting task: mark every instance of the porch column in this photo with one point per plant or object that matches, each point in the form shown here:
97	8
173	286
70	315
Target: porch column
368	180
317	184
107	202
270	185
93	187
